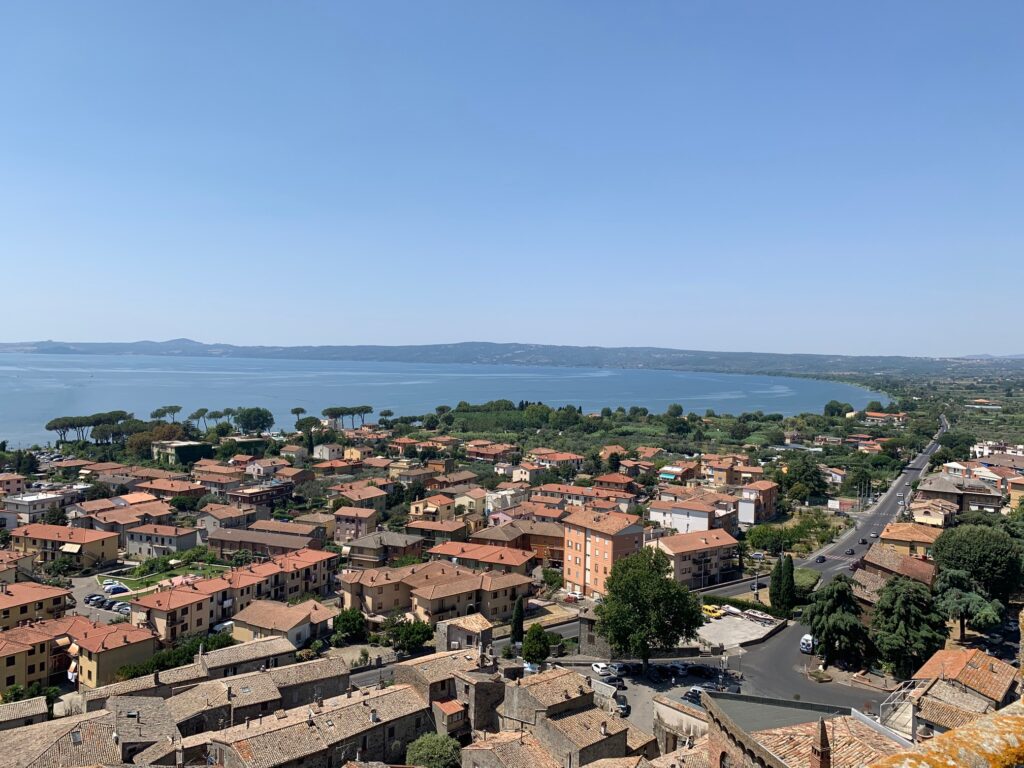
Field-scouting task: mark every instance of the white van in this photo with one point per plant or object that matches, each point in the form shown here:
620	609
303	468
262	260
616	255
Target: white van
807	644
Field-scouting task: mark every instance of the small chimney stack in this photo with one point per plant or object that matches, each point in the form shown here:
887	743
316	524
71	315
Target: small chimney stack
373	716
604	728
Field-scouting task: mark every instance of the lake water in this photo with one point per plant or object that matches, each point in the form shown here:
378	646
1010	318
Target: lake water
35	388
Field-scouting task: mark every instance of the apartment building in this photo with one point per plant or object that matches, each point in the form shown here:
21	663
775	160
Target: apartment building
593	542
12	483
910	538
353	523
28	601
486	557
148	541
47	543
699	558
196	607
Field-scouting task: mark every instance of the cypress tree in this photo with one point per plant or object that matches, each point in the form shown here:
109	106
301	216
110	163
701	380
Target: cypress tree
517	621
787	585
775	584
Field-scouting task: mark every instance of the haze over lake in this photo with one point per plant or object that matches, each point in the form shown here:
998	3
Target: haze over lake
35	388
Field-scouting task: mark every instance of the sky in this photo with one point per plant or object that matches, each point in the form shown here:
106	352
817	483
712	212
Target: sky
750	176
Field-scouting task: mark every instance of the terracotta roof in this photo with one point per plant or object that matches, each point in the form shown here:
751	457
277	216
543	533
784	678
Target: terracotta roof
60	533
696	541
556	685
583	728
161	530
911	532
974	669
853	744
484	553
23	592
609	523
513	749
270	614
887	558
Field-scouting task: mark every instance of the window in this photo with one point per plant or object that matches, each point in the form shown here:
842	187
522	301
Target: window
10	680
31	669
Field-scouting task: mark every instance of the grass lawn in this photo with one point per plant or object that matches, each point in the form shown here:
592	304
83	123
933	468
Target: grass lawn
201	569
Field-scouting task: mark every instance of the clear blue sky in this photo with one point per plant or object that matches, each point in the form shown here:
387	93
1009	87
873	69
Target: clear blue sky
766	176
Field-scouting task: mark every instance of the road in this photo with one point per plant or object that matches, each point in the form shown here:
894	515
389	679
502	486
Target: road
872	521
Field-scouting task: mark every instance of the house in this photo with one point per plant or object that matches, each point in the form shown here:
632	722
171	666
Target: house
834	475
593	542
910	538
608	451
264	495
887	562
325	523
578	495
328	452
148	541
120	520
877	417
295	475
438	531
544	538
375	550
615	481
485	557
225	542
300	623
305	530
558	460
354	522
484	450
180	451
526	472
758	502
24	712
966	493
972	670
27	600
166	489
701	558
367	498
473	500
934	512
1016	489
264	469
294	452
213	516
436	507
11	484
432	592
30	508
85	548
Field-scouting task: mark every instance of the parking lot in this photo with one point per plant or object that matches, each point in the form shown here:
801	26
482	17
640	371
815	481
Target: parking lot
82	586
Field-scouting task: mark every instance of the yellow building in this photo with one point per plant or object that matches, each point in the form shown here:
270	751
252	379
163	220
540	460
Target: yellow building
103	649
86	547
28	601
910	538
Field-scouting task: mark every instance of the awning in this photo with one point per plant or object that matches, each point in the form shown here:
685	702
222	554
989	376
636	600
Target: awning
63	642
73	649
73	667
71	549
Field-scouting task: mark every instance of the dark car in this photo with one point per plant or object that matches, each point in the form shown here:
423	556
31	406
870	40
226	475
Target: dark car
654	674
702	670
756	586
863	541
849	550
109	604
89	599
613	680
820	559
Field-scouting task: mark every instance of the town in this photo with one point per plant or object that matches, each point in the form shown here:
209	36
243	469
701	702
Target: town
504	584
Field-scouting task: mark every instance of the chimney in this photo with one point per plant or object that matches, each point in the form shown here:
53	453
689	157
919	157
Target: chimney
604	728
373	716
247	722
821	751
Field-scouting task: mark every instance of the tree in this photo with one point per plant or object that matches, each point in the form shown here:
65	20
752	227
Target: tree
298	412
906	627
775	585
644	609
241	557
197	415
798	492
834	618
536	647
959	599
803	469
254	419
674	411
434	750
184	503
516	635
349	628
990	555
55	516
834	408
409	636
5	538
172	411
787	585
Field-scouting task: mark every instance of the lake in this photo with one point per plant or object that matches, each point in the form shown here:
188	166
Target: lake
35	388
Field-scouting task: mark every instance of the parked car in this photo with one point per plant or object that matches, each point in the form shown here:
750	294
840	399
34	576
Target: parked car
124	609
108	582
849	551
600	668
678	668
702	670
530	668
820	559
574	595
757	555
654	674
874	534
693	695
118	589
108	605
623	708
756	586
613	680
863	541
618	668
90	597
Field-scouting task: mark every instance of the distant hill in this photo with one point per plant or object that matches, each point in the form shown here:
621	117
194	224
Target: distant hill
480	352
